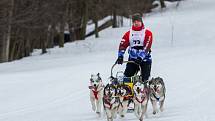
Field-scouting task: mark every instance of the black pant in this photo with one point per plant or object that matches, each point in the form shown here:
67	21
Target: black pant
132	68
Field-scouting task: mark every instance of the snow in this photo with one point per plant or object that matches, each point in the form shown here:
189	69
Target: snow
54	86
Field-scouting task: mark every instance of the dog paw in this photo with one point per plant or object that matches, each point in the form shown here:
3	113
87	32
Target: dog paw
146	116
141	119
155	112
98	113
162	109
114	116
110	119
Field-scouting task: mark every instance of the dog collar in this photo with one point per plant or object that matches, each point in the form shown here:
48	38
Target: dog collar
140	101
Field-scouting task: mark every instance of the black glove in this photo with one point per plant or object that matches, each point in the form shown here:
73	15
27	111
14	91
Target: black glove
119	60
138	60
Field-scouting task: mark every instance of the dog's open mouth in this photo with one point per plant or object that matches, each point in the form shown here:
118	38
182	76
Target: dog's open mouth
156	89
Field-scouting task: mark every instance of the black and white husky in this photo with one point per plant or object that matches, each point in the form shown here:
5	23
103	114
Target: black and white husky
110	101
141	97
123	91
157	93
96	93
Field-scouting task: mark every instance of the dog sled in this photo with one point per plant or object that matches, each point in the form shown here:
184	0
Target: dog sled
127	82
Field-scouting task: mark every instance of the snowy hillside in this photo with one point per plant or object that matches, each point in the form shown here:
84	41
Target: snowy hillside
54	86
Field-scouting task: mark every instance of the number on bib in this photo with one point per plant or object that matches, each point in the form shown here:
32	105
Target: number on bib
136	42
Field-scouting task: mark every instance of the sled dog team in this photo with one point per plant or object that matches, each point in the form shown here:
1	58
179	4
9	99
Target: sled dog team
113	97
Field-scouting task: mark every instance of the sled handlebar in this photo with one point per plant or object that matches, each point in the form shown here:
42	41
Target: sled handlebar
125	62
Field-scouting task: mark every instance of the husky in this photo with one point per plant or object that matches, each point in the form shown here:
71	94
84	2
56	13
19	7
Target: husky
122	92
140	99
157	93
96	93
110	101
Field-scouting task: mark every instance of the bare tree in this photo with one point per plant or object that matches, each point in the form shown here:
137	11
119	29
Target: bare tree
6	30
26	25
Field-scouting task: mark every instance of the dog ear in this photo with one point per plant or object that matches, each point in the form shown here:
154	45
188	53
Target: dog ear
158	79
134	82
161	80
111	79
106	86
98	74
135	79
150	81
145	82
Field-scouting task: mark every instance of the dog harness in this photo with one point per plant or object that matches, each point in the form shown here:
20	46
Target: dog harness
157	98
140	101
109	102
95	92
142	98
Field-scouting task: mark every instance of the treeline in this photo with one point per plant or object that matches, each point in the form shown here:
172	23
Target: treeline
40	24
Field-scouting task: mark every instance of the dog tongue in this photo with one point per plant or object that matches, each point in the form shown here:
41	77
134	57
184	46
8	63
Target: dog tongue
156	90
